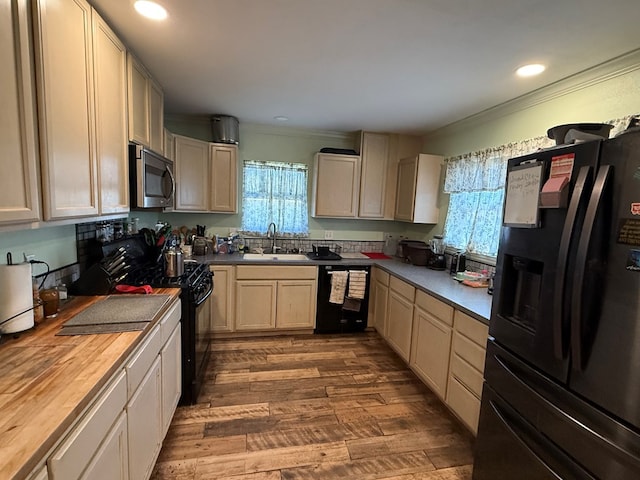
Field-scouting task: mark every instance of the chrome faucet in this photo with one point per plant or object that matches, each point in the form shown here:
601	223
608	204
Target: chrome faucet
273	237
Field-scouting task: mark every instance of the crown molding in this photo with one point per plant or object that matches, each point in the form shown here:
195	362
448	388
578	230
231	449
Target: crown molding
293	131
616	67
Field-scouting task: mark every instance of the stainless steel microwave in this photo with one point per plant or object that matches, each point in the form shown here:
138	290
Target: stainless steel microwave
151	178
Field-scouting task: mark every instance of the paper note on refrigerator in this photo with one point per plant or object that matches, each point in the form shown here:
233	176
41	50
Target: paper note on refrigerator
521	196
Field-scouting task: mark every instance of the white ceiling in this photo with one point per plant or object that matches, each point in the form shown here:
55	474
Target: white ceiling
405	66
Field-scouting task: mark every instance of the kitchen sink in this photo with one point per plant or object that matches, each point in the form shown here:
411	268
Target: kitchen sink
277	256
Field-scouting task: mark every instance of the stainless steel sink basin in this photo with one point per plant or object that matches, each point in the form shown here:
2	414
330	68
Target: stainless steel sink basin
277	256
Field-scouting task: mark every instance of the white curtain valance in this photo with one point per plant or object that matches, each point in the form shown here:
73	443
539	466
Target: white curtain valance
485	170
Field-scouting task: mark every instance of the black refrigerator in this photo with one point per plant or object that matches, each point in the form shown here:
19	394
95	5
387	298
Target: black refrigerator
561	398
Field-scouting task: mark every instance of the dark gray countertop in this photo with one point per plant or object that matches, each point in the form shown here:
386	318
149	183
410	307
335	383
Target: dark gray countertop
472	301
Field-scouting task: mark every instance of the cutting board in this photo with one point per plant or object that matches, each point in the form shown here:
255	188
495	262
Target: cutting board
376	255
116	313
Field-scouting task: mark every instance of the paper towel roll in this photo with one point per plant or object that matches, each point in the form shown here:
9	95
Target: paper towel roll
16	295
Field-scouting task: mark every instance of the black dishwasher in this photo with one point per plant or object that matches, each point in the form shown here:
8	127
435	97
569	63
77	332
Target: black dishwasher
351	315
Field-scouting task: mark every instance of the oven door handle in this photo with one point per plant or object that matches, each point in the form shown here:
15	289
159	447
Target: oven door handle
204	299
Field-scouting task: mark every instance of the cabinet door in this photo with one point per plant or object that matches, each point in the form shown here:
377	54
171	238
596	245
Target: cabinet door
144	414
19	195
255	304
380	307
110	84
335	187
171	362
156	117
224	178
74	454
65	95
430	349
169	145
406	190
373	180
222	299
192	174
138	102
111	460
296	304
399	324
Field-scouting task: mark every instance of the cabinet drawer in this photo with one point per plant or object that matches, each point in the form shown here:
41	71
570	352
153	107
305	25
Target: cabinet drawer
466	374
142	359
403	288
435	307
471	328
169	321
381	276
264	272
471	352
73	455
464	403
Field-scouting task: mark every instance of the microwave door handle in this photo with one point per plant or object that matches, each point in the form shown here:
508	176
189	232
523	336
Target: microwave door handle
173	183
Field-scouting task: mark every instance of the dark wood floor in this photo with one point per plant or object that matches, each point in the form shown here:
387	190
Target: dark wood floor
313	407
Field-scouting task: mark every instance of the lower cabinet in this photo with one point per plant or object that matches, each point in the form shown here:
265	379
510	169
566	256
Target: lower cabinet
380	294
466	370
431	342
256	304
111	460
444	347
144	412
171	363
222	319
120	434
400	316
282	298
82	446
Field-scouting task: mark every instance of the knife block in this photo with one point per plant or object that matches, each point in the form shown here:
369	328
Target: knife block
94	281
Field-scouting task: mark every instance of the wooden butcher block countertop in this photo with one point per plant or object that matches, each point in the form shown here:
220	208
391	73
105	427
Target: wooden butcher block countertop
46	381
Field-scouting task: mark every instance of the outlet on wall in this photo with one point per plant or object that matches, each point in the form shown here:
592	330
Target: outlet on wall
328	234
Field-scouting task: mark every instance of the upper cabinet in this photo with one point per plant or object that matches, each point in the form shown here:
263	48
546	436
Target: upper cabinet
19	195
349	186
374	153
206	176
417	189
81	82
336	180
223	181
64	64
145	107
169	145
110	80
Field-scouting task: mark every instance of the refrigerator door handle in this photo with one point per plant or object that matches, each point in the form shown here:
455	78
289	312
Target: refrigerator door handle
599	187
578	198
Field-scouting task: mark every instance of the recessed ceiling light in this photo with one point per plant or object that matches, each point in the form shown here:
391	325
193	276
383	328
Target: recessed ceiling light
150	10
281	118
530	70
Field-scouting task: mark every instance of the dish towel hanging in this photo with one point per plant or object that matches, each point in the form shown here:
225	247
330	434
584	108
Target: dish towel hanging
357	283
338	287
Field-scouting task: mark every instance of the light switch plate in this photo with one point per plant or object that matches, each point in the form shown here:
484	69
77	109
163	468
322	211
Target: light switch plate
328	234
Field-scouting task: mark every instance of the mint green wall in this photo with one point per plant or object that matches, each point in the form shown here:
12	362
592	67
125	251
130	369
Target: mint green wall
54	245
259	142
609	91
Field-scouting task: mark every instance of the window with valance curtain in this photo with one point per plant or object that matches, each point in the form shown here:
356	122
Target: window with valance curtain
476	181
275	192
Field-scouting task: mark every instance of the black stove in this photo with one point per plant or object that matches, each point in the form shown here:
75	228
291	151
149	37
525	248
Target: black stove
323	256
196	286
